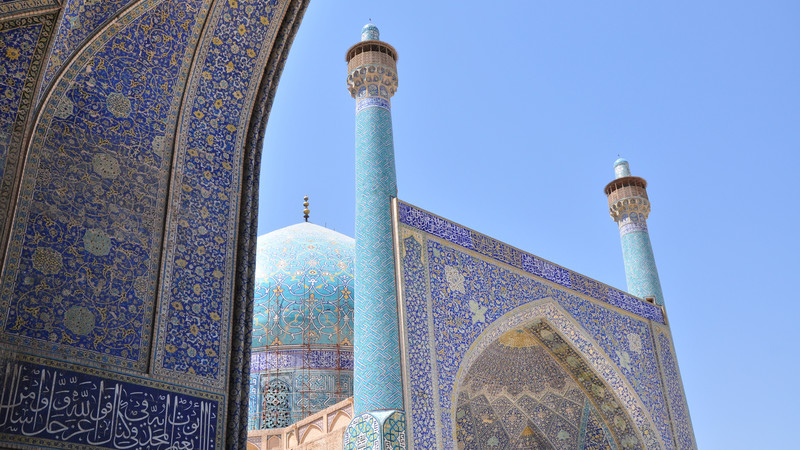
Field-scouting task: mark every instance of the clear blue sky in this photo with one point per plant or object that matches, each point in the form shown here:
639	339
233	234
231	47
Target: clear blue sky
508	120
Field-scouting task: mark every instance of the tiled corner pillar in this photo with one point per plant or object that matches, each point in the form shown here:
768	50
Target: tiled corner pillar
629	207
376	430
372	81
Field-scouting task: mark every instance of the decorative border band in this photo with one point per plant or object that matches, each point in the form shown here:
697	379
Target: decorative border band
372	102
464	237
314	359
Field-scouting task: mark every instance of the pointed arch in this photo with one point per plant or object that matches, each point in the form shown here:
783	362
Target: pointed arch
545	325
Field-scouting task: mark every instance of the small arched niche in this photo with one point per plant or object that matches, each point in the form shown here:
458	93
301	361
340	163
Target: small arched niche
530	389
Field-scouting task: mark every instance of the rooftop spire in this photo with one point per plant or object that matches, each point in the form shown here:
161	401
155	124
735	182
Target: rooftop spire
305	206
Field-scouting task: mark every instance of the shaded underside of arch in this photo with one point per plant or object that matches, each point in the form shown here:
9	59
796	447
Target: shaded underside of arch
130	213
531	389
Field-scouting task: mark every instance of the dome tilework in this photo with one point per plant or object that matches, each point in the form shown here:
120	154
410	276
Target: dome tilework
304	288
302	341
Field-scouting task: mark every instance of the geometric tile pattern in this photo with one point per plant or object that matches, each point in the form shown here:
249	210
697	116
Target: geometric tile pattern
286	396
308	389
394	431
377	351
453	295
377	430
640	263
530	394
528	401
363	433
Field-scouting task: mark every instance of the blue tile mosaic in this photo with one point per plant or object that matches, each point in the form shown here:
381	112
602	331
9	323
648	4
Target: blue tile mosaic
204	213
304	289
453	295
640	264
287	396
315	359
17	53
79	20
377	430
441	228
364	432
83	261
17	6
674	389
23	44
81	269
46	406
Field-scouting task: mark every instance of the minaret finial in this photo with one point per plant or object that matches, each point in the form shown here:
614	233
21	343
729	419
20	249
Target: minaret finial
305	206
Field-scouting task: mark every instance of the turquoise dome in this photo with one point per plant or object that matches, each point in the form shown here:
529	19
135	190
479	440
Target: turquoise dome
303	289
302	355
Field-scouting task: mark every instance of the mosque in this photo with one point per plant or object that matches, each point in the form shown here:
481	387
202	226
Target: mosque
138	308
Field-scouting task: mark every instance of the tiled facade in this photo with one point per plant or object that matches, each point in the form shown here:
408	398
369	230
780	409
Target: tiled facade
126	274
460	297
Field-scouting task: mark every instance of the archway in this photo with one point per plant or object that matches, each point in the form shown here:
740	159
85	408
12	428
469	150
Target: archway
533	379
530	389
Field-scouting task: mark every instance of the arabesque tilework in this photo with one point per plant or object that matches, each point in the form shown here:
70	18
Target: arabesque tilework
140	101
304	289
454	291
202	225
684	434
80	275
23	43
464	237
80	19
302	323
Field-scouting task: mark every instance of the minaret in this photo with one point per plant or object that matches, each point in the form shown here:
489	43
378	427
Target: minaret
629	207
372	81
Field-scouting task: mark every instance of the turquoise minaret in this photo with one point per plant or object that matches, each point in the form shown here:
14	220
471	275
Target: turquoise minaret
377	388
630	207
372	81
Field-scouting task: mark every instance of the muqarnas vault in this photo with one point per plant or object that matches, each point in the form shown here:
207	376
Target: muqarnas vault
464	342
